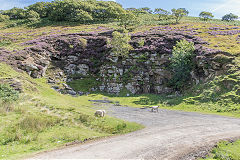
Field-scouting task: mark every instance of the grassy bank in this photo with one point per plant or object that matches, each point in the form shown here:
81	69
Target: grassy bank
43	119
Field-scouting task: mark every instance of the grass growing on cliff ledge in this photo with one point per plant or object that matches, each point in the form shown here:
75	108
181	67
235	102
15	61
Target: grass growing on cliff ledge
43	119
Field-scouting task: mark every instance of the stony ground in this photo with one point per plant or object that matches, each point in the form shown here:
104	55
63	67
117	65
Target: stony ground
168	135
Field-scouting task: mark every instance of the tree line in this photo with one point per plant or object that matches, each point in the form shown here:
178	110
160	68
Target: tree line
93	11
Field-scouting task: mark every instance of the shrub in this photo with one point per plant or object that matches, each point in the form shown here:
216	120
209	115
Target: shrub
8	94
162	14
32	16
15	13
4	18
120	43
141	42
42	8
80	16
182	63
128	20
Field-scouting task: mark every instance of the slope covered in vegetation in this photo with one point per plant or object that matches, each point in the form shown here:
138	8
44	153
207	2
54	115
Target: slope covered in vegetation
36	117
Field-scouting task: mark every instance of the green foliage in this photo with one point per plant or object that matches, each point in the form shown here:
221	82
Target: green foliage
4	18
32	16
44	119
179	13
127	20
84	11
146	10
229	17
5	42
141	42
182	63
8	94
226	151
80	15
222	91
120	43
15	13
206	15
42	8
163	14
38	123
100	124
84	84
107	11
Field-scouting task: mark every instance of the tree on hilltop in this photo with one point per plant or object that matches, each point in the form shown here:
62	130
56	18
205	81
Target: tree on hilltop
229	17
179	13
206	15
162	14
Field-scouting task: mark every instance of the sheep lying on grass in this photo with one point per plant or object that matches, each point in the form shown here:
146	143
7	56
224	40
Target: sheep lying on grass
100	113
154	108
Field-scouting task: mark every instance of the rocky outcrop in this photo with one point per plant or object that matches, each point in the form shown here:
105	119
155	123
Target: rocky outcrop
145	70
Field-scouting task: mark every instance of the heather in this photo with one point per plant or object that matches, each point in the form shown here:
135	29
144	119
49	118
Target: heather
52	63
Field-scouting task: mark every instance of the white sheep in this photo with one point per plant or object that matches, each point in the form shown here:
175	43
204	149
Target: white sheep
100	113
155	108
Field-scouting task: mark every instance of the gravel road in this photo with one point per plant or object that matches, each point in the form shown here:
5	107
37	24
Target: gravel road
168	135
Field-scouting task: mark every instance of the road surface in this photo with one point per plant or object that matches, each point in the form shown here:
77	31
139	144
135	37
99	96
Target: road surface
168	135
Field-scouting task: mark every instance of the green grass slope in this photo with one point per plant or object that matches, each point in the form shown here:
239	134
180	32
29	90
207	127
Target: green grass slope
43	119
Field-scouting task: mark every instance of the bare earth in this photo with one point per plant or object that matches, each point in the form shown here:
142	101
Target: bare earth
168	135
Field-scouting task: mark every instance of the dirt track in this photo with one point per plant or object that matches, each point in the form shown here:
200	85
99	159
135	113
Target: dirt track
168	135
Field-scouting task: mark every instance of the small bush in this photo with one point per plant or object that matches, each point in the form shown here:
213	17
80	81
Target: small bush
182	63
32	16
141	42
120	43
8	94
5	42
4	18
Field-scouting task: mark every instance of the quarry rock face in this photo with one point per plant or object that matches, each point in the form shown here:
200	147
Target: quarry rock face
145	70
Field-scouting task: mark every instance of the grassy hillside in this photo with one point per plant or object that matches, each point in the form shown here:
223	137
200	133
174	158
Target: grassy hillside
43	119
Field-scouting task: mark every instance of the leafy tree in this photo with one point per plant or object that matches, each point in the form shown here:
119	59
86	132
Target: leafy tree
229	17
146	10
32	16
131	9
179	13
4	18
107	11
206	15
162	14
182	63
185	10
128	19
42	8
80	16
120	43
15	13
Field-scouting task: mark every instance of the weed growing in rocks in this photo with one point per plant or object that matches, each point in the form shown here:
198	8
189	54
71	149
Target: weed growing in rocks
120	43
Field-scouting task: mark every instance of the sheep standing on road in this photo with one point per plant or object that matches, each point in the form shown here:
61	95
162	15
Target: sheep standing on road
155	108
100	113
